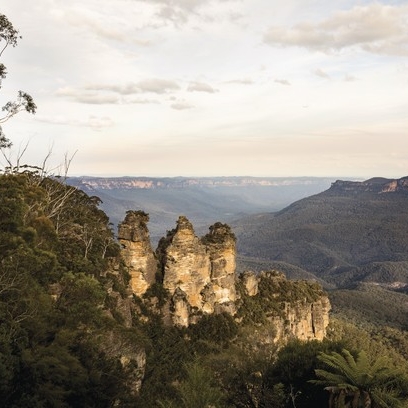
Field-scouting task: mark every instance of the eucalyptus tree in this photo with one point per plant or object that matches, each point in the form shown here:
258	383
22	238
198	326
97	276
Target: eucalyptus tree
9	36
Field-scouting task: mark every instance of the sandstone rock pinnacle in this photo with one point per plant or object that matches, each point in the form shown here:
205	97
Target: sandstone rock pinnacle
137	252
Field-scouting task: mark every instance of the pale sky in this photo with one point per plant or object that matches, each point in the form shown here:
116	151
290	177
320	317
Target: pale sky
212	88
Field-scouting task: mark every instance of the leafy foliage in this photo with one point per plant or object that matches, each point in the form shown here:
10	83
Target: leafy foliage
365	382
54	244
9	37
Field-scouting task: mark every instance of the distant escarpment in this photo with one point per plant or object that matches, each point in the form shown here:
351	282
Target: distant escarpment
374	185
188	277
352	232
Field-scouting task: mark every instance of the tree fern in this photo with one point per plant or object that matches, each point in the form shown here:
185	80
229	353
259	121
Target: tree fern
368	384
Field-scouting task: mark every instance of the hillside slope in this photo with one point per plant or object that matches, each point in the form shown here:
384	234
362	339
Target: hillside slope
354	231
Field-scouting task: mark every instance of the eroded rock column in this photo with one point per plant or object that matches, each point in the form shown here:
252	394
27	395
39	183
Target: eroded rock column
137	252
221	246
186	263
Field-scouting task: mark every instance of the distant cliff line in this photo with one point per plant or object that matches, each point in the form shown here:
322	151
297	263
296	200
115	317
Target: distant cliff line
130	182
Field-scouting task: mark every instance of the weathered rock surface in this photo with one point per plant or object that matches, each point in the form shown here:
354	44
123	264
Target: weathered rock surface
303	320
301	310
220	243
186	264
203	270
199	277
137	252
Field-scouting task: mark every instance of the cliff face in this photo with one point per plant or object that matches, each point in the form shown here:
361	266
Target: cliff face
303	320
295	309
199	277
376	185
220	243
198	273
137	252
186	263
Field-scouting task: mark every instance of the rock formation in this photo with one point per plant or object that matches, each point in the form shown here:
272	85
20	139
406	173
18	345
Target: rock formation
199	278
199	274
300	309
185	263
137	252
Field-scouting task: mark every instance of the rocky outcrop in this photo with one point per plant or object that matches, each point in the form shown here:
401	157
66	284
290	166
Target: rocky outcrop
220	243
137	252
199	278
303	320
250	283
296	309
185	263
198	273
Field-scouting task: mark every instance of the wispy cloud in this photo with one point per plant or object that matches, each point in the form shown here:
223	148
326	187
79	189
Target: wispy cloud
96	123
320	73
102	25
201	87
242	81
282	82
181	106
377	28
152	85
179	12
99	94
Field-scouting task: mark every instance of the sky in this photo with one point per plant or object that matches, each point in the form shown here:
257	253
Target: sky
211	87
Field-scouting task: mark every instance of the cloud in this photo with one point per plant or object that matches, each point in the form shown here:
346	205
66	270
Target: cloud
95	99
106	28
282	81
243	81
159	86
201	87
152	85
139	101
181	106
320	73
96	123
99	94
84	96
375	28
179	12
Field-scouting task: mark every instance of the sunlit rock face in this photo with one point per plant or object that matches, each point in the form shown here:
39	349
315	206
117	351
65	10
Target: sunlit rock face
185	263
137	252
202	269
303	320
301	317
221	247
250	282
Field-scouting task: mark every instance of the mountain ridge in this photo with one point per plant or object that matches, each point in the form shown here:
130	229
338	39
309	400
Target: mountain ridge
342	232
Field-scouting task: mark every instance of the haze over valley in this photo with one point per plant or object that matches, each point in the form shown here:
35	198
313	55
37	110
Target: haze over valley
203	200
